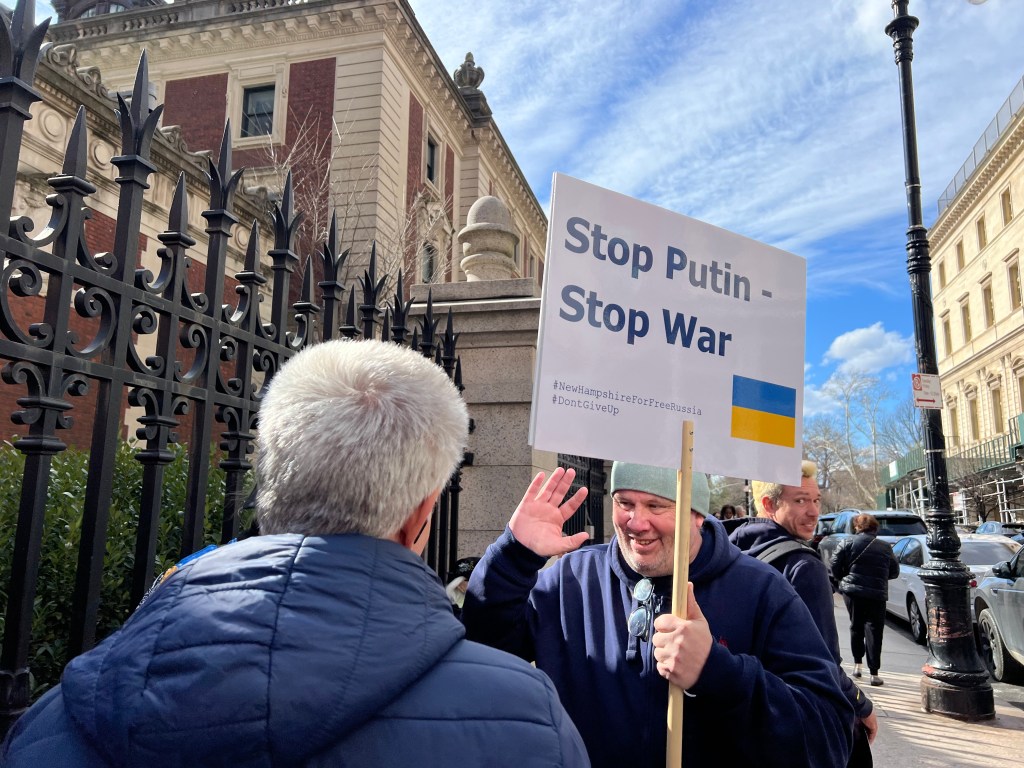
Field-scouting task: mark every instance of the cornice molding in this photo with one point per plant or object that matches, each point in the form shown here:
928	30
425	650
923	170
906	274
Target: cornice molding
189	31
996	162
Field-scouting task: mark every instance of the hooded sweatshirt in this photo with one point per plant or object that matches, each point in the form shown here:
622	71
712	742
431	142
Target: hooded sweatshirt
296	651
805	571
767	695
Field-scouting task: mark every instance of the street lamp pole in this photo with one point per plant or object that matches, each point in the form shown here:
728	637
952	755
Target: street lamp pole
955	682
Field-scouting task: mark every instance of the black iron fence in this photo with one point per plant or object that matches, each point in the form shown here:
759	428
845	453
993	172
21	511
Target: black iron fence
192	365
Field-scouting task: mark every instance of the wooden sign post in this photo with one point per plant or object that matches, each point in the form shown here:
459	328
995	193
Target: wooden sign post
680	578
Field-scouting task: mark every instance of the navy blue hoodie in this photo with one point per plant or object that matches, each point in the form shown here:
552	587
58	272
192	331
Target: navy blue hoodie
806	572
768	694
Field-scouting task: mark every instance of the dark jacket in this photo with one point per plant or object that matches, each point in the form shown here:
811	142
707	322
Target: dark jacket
863	566
768	693
293	651
806	573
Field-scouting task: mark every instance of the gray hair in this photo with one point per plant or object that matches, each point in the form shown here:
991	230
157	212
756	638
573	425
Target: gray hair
353	435
760	489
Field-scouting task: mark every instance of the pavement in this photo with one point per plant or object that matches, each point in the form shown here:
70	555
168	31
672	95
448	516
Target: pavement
908	737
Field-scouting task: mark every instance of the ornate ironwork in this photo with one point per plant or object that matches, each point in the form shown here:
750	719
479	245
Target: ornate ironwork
183	358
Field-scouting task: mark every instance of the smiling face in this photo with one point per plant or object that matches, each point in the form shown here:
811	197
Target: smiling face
797	508
646	528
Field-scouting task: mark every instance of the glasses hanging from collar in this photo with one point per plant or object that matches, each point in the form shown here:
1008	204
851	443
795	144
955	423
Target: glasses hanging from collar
641	619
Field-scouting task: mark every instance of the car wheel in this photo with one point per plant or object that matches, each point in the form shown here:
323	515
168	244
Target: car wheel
1003	667
918	627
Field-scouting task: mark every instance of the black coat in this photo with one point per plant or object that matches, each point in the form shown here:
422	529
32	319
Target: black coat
863	566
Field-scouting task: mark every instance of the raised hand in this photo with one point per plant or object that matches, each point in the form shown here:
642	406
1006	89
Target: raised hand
537	521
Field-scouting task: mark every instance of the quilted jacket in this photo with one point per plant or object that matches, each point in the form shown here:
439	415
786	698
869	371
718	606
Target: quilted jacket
296	651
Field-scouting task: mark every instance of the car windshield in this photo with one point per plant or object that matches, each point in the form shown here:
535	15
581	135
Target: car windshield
908	526
986	552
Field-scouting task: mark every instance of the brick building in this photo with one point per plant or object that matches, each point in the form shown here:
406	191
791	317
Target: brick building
350	93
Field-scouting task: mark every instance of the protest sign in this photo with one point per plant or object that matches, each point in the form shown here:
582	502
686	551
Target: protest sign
649	317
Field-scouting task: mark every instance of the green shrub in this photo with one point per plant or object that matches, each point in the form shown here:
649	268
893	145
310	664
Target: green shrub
62	532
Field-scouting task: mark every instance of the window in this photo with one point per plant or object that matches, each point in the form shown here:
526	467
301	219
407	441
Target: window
941	267
990	308
431	160
982	234
998	427
1020	393
1006	205
965	319
959	255
947	336
972	415
428	263
1013	278
954	424
257	111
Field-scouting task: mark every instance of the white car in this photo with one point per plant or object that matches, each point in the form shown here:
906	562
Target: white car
999	602
979	552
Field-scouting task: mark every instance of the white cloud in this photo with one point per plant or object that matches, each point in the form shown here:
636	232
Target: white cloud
869	350
817	402
781	123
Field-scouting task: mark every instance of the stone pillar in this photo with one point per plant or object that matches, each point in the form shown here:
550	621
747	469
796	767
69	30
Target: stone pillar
497	325
488	242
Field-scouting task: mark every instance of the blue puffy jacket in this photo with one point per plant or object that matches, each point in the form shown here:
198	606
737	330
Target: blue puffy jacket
294	651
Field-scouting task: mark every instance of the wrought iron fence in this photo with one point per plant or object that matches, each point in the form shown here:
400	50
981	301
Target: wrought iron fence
589	517
209	364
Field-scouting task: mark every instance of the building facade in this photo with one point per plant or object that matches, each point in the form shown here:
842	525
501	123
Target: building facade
349	93
979	327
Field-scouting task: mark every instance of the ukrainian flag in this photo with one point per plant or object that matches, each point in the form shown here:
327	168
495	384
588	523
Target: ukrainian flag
763	412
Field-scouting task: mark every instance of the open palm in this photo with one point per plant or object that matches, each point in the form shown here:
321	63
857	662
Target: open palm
538	520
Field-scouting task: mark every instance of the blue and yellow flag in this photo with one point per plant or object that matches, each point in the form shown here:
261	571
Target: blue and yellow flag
763	412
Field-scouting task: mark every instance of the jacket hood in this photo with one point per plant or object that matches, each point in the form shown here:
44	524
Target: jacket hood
264	651
757	535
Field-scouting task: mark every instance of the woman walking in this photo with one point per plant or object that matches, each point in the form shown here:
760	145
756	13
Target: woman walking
863	566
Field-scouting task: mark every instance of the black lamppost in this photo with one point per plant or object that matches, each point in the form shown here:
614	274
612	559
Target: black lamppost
955	682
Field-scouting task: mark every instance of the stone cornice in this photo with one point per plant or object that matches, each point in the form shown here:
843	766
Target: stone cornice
189	29
994	164
65	86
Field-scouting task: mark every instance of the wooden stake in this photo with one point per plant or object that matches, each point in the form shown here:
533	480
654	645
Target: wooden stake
681	575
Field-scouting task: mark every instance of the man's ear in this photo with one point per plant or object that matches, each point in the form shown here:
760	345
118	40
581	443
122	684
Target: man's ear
769	507
414	534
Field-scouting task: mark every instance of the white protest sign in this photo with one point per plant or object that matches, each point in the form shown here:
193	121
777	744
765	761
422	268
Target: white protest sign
648	318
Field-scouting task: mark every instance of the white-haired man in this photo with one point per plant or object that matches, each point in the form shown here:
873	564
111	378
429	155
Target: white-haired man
326	640
787	515
761	682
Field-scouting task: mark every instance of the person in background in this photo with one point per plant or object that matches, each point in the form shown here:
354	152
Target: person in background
760	681
727	512
459	581
863	566
326	640
787	515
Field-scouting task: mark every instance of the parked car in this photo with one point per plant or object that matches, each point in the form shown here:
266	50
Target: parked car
823	528
894	524
999	606
1014	530
979	552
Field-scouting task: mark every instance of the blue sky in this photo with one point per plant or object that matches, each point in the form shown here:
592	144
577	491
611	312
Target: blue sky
780	121
777	120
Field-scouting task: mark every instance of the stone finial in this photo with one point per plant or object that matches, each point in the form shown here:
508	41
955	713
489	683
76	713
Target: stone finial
488	242
468	75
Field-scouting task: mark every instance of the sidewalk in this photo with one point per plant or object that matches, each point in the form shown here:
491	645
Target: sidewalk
911	738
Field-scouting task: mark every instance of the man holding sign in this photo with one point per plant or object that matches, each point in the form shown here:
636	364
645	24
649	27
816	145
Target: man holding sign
760	681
